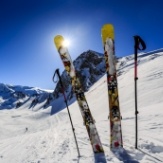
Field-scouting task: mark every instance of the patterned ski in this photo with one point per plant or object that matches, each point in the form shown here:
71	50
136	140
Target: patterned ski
77	88
107	33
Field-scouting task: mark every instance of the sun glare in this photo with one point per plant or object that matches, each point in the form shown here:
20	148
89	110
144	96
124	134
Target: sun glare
66	43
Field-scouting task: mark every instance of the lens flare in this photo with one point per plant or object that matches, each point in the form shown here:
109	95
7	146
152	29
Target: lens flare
66	43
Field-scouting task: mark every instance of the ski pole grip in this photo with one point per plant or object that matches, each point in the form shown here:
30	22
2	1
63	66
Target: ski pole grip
135	46
139	45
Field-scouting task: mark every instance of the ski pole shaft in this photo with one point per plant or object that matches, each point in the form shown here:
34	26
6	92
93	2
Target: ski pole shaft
135	79
65	99
136	116
73	129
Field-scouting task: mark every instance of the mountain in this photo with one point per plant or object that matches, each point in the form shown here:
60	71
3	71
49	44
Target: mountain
16	96
31	134
90	67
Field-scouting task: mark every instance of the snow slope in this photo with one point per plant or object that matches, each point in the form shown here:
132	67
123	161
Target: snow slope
33	136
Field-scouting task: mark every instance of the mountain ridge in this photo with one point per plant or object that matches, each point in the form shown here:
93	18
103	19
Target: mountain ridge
90	67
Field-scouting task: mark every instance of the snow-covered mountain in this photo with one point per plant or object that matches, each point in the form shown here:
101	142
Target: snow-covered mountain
29	133
89	66
16	96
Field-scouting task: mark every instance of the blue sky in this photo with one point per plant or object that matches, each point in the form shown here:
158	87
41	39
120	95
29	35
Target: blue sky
27	28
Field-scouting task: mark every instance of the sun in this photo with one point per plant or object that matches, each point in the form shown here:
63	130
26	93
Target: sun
66	43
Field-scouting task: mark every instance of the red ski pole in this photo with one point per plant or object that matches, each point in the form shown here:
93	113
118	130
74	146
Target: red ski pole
138	42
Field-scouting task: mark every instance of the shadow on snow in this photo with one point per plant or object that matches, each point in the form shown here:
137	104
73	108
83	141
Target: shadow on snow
100	158
122	155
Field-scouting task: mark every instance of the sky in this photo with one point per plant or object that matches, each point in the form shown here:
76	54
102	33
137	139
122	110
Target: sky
28	56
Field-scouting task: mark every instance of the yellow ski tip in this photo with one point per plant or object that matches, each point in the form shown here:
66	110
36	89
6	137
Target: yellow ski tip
58	41
107	31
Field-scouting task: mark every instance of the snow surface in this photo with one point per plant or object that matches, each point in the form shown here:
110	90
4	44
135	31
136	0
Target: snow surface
33	136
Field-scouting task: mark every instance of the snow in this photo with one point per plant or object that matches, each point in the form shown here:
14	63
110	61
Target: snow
34	136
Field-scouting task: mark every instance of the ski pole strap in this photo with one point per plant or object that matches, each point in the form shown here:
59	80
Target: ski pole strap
58	74
139	43
60	81
56	71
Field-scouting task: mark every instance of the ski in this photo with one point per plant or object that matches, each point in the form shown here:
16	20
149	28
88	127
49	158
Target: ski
107	33
77	89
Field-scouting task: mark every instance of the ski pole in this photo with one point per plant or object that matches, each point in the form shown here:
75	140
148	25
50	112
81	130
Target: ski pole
65	100
138	42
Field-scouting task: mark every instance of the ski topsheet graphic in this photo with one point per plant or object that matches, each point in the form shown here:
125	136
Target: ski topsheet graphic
77	88
107	33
